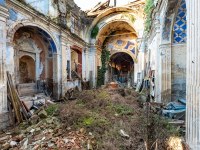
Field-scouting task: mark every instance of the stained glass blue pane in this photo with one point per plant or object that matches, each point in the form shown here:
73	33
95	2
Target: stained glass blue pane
184	27
180	24
179	31
182	14
184	6
175	28
178	39
183	35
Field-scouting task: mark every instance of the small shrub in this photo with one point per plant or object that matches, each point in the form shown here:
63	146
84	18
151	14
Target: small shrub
88	121
122	109
103	95
51	109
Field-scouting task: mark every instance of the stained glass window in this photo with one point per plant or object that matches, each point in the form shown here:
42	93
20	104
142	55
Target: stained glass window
180	24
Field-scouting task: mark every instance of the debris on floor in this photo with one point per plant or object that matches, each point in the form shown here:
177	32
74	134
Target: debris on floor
99	119
175	110
44	132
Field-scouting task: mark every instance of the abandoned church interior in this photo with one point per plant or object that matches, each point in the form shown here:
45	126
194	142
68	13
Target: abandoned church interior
147	46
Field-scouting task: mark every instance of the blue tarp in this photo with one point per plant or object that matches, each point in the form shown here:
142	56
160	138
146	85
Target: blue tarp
175	110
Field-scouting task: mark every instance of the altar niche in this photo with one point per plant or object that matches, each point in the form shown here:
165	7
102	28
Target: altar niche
34	59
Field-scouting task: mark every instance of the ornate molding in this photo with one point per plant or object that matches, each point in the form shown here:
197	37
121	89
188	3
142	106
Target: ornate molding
3	13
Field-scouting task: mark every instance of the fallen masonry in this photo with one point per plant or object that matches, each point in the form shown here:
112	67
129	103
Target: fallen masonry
98	119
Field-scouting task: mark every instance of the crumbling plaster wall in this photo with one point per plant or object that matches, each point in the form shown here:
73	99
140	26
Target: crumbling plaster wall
15	14
31	44
66	44
178	71
154	62
19	17
170	58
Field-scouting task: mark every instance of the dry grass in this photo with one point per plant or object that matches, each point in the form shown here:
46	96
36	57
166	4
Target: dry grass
105	112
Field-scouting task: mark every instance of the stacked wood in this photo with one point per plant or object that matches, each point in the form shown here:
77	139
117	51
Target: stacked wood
14	103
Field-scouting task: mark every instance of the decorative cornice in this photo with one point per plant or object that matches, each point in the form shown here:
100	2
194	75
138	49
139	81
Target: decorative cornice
3	12
164	46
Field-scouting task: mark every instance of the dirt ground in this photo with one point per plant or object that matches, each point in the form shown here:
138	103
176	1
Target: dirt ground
105	113
100	119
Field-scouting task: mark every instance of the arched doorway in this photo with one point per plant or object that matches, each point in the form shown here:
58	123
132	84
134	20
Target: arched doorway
121	68
120	40
26	69
34	59
117	23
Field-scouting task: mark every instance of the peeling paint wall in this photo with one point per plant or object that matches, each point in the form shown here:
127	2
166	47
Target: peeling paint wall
178	71
46	7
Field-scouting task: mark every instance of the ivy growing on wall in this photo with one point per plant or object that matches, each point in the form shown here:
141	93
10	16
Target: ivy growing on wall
94	32
149	6
105	56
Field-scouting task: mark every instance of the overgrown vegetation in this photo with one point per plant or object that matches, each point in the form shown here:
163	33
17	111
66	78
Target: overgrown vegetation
102	119
104	113
52	109
105	56
158	131
149	6
122	109
94	32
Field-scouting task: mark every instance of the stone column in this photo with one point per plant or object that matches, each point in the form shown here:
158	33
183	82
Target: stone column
193	75
92	64
64	54
57	74
37	65
3	79
85	63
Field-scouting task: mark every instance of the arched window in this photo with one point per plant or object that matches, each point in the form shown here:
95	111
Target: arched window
180	24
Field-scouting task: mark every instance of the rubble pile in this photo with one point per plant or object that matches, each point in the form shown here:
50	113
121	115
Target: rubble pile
44	132
99	119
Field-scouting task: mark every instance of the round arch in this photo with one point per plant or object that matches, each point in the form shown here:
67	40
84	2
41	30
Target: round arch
44	72
118	20
19	24
121	68
27	71
128	23
27	55
127	52
106	13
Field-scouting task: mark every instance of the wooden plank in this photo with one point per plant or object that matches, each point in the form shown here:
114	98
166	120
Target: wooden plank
14	99
10	110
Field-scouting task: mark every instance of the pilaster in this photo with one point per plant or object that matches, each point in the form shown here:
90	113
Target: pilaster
165	52
85	64
158	60
193	75
64	55
92	64
3	79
